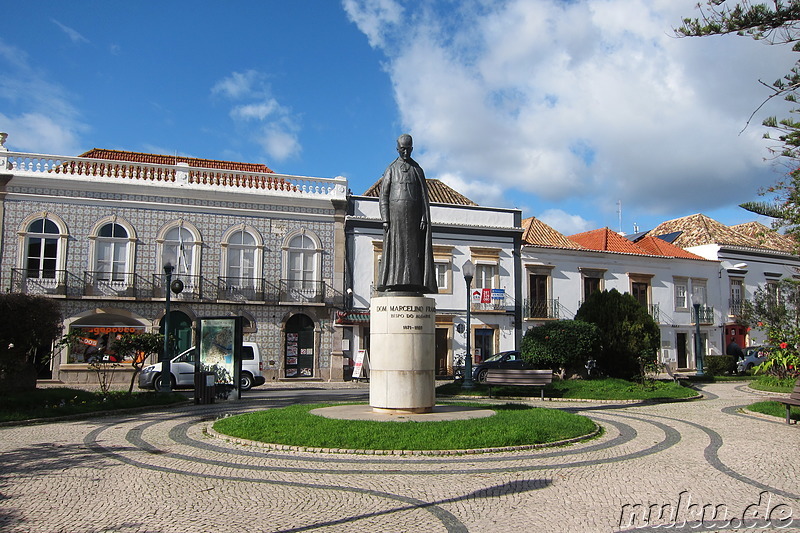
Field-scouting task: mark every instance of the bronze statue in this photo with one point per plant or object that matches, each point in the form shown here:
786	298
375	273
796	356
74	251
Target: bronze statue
407	261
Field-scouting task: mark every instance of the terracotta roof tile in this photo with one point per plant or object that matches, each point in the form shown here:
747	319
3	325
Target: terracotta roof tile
155	159
699	229
605	240
438	192
768	237
537	233
656	246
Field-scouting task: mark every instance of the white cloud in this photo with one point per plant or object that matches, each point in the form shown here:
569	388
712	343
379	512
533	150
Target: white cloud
39	133
260	116
44	119
373	17
279	143
257	111
591	99
73	34
239	85
565	223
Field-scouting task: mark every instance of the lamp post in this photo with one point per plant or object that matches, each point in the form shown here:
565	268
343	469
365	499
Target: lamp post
166	376
469	273
698	343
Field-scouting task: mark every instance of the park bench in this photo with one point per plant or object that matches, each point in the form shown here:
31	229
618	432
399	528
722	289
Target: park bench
518	377
792	400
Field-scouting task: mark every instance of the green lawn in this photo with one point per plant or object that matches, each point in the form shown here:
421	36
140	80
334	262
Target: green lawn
774	409
771	384
54	402
513	425
590	389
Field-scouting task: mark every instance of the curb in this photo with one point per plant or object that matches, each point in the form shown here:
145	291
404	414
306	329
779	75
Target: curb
212	433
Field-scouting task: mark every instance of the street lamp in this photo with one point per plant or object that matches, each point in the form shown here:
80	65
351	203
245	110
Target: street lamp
469	273
166	376
698	343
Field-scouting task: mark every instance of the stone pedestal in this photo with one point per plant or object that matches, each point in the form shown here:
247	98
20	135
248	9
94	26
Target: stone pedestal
402	354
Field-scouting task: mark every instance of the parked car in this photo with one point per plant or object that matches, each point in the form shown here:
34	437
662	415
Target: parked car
182	369
753	356
510	359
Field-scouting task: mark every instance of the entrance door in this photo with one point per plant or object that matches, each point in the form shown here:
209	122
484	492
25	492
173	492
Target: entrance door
484	344
299	358
538	294
683	361
441	351
180	326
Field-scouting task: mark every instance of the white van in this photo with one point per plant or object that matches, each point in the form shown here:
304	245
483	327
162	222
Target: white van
182	370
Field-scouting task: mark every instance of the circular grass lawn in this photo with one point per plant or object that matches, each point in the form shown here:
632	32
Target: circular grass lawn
512	425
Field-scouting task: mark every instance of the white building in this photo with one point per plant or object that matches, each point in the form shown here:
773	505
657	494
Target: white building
749	256
562	271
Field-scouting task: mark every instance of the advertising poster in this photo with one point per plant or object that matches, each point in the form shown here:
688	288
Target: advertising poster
219	346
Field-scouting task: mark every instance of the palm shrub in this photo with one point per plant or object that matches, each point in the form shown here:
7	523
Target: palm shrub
563	345
630	338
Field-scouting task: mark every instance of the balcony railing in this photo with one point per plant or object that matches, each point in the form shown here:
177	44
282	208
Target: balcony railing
302	291
59	167
194	287
116	285
129	285
542	309
53	282
704	316
735	306
240	289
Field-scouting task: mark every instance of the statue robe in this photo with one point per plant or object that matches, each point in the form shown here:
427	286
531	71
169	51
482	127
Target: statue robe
407	260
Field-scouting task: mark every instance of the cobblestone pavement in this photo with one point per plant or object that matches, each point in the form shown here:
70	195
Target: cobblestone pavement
161	472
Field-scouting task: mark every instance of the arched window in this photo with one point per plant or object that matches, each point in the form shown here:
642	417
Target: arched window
242	257
111	257
41	249
42	255
302	268
112	252
302	260
179	244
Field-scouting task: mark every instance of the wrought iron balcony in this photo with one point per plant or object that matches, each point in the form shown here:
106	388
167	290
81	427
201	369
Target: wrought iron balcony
542	309
240	289
736	307
194	287
39	282
116	284
705	315
302	291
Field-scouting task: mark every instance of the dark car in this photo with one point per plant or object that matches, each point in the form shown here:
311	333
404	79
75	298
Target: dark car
510	359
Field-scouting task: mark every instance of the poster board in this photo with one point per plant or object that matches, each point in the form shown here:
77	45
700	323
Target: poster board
359	371
219	349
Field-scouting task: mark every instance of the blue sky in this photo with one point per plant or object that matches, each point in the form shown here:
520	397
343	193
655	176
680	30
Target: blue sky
564	109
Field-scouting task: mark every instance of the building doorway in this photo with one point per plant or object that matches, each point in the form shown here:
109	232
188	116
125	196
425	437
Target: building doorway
299	350
680	346
484	344
442	350
180	326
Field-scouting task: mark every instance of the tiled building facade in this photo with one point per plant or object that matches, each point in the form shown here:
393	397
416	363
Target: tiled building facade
96	234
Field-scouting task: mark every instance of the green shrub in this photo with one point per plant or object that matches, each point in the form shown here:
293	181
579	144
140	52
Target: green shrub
630	338
564	344
719	365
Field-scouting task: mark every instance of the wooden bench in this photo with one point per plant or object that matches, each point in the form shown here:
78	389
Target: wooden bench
518	377
792	400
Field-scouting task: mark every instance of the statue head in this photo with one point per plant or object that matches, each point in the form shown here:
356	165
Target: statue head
405	146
